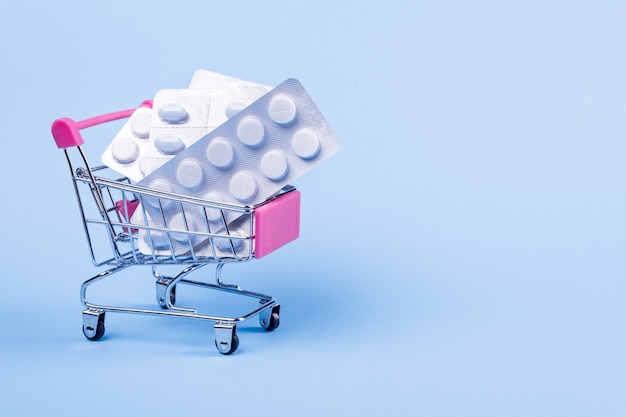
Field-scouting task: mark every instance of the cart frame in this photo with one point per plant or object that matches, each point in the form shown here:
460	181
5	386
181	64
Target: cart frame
107	203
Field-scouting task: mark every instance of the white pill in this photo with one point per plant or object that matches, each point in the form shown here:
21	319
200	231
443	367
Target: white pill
274	165
282	109
159	185
305	143
173	113
243	186
169	144
125	150
220	153
183	223
251	131
140	122
157	239
214	214
189	173
226	244
234	108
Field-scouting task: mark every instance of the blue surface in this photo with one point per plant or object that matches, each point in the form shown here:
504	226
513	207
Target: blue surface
461	255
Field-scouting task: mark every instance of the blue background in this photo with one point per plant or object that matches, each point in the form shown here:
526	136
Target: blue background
461	255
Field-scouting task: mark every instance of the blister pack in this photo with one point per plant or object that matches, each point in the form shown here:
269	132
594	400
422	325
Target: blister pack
177	119
248	158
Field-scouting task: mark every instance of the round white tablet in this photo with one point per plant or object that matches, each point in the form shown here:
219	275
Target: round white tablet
180	222
214	214
125	150
243	186
159	185
305	143
226	244
189	173
140	122
234	108
157	239
282	109
220	153
274	165
251	131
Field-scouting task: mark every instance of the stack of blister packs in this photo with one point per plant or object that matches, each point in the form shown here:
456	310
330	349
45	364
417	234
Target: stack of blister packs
222	139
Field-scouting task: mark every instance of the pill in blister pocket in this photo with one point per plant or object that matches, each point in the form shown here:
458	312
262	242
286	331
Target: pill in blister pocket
243	186
213	214
250	130
169	144
225	244
220	153
305	143
274	165
282	109
173	113
234	108
159	185
140	124
189	173
125	150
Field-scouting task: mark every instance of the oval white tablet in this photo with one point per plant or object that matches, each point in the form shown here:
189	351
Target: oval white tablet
125	150
243	186
169	144
274	165
140	122
159	185
282	109
173	113
305	143
220	153
251	131
189	173
234	108
214	214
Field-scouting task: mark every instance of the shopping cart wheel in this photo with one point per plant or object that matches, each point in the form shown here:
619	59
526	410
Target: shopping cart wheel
161	291
270	319
93	324
226	339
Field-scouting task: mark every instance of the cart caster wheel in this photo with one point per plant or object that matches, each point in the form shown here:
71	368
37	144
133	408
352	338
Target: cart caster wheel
93	325
226	339
270	320
161	296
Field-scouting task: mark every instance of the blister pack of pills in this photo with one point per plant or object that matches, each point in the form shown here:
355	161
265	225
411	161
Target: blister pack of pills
177	119
248	158
233	230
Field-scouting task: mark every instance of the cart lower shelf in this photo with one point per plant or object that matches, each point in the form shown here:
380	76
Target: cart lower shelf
225	328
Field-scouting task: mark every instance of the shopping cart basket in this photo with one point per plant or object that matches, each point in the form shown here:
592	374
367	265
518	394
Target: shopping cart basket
113	211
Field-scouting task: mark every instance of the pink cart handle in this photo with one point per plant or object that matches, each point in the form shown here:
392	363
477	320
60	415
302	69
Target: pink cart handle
66	132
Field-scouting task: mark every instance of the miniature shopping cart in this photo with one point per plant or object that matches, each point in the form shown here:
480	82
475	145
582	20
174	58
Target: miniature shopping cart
113	211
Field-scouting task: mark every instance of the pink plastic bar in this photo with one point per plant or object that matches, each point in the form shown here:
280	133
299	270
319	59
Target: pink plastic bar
66	132
127	210
277	223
